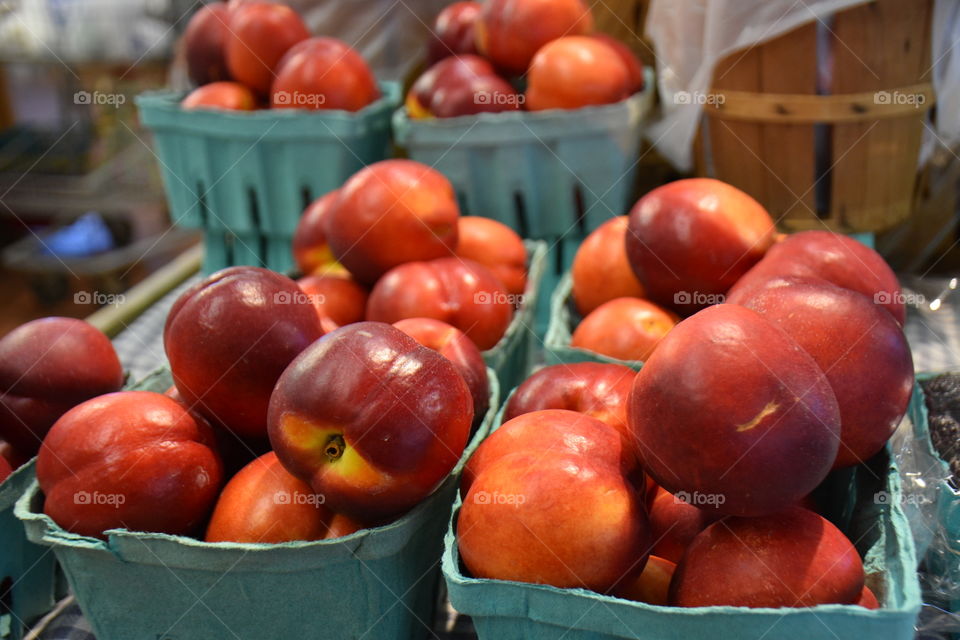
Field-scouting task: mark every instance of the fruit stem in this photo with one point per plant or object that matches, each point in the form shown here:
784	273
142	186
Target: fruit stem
334	447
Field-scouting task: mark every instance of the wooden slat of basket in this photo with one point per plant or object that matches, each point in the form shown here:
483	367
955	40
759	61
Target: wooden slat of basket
736	147
798	108
789	148
878	46
773	162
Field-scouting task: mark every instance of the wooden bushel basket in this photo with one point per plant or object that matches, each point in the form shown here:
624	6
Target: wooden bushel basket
843	155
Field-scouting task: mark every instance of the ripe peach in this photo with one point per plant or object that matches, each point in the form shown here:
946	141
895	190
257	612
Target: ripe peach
540	523
632	62
867	599
652	585
48	366
601	270
459	292
338	299
859	347
231	96
259	35
373	421
674	523
497	247
790	559
323	73
835	258
229	337
690	240
264	503
133	459
448	72
592	388
730	410
203	43
510	32
389	213
576	71
453	31
311	252
624	328
455	346
551	431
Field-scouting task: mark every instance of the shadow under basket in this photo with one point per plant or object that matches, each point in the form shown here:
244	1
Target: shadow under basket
836	150
28	572
506	610
545	174
377	583
246	177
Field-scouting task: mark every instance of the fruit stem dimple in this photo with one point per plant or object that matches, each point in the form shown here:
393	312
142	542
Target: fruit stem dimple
334	447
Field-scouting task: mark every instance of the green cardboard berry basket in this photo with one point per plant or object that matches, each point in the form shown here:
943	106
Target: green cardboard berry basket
28	572
245	177
865	503
377	583
511	357
563	316
546	174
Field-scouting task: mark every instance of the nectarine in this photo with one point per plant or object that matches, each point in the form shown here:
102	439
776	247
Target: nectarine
229	337
459	292
690	240
791	559
389	213
624	328
48	366
860	348
373	421
497	247
601	270
730	410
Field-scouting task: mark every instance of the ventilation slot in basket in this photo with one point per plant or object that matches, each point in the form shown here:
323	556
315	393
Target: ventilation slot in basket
6	596
255	218
520	207
307	196
580	209
202	205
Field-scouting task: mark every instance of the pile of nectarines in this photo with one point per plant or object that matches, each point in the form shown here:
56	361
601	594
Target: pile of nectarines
479	53
790	362
391	245
244	55
317	431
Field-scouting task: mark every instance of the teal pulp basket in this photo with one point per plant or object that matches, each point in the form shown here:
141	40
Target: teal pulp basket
245	177
546	174
506	610
28	572
377	583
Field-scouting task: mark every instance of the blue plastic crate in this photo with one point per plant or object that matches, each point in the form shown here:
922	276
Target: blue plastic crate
245	177
546	174
28	572
376	583
506	610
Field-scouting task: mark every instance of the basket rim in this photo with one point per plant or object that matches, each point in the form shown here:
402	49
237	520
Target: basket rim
168	101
